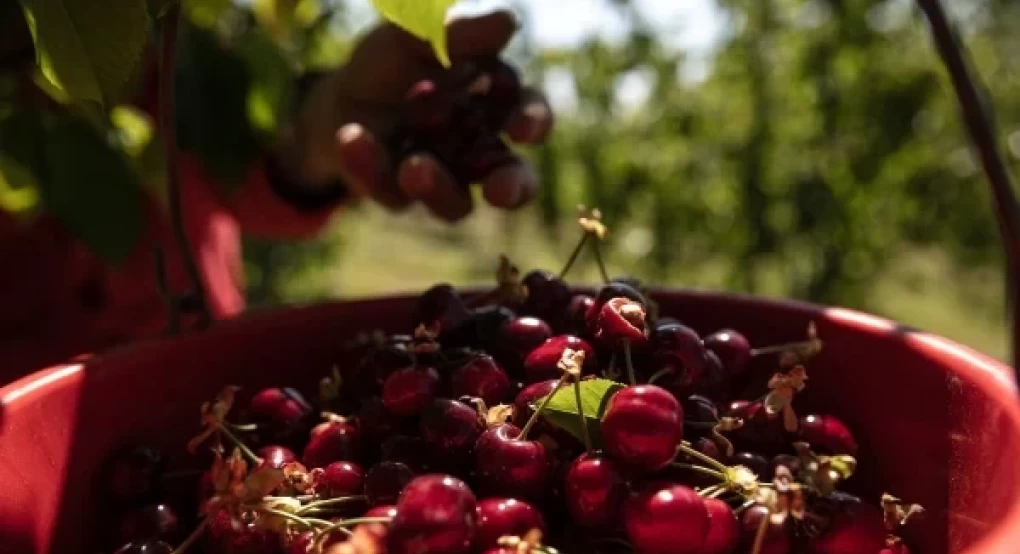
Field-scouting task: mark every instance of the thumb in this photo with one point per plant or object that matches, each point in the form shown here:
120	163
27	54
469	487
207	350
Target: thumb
472	34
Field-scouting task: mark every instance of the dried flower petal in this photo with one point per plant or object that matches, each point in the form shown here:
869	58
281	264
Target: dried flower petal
571	362
591	222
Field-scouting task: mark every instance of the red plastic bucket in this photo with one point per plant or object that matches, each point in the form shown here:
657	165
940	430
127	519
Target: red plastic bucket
937	423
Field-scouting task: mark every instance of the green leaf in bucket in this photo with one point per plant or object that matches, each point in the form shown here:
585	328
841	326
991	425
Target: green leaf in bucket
562	408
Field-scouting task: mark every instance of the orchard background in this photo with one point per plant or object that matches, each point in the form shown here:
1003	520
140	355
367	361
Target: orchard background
815	153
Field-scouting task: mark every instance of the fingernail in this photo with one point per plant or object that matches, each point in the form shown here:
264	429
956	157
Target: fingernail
350	133
420	177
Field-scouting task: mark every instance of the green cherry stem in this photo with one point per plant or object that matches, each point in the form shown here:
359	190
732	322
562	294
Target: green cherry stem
239	444
659	375
600	262
303	521
251	427
192	538
342	526
707	492
611	371
580	414
743	507
573	255
701	469
541	407
328	503
629	363
712	462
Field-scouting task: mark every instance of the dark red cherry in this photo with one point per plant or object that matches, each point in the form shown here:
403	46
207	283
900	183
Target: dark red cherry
698	409
274	456
279	406
450	429
827	435
335	440
511	467
529	396
436	514
548	295
499	517
427	109
440	303
146	547
152	522
709	448
858	527
409	391
374	421
385	480
522	335
574	316
680	347
543	362
406	450
642	426
667	520
594	491
723	528
731	347
755	462
760	432
135	475
776	540
482	378
340	479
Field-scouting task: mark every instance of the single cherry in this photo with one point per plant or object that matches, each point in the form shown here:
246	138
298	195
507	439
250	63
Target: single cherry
521	335
548	295
723	528
622	320
340	479
410	390
667	520
436	514
594	490
732	348
827	435
574	316
152	522
700	410
428	109
450	428
499	517
274	456
543	362
606	293
440	303
679	347
335	440
385	480
776	539
508	465
279	407
642	426
483	378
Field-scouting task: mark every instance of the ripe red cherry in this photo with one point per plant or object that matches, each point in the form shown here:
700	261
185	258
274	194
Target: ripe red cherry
385	480
732	348
529	396
521	335
610	291
827	435
279	406
622	319
642	426
450	428
152	522
274	456
667	520
428	109
146	547
332	441
340	479
483	378
680	347
542	363
776	541
574	317
723	528
499	517
409	391
594	490
512	467
436	514
856	528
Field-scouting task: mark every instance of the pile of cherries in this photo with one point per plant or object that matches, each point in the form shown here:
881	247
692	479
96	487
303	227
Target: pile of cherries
526	420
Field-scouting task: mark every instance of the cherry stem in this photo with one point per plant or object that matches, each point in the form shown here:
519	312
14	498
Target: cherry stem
192	538
242	428
580	414
709	492
329	502
701	469
573	255
541	407
775	349
611	371
343	524
306	522
743	507
715	464
601	264
239	444
759	537
659	374
629	363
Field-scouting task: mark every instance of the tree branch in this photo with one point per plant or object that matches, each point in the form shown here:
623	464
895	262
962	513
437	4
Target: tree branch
983	134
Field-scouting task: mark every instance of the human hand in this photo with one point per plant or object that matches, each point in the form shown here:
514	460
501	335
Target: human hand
350	115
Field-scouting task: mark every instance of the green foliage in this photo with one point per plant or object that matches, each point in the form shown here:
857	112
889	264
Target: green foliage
562	408
425	19
86	49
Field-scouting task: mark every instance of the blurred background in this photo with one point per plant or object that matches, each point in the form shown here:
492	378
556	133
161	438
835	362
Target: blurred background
807	149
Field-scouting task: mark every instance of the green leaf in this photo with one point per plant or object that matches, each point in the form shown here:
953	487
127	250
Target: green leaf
562	408
425	19
90	187
88	49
